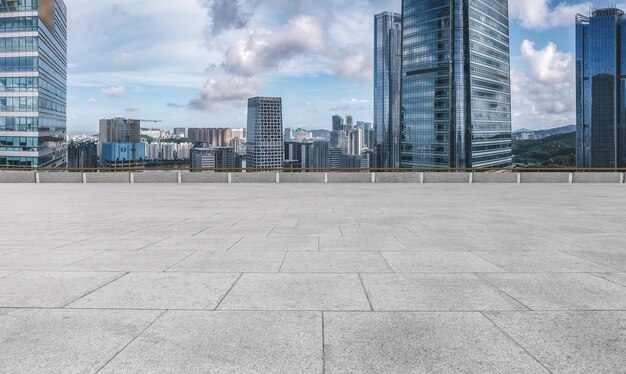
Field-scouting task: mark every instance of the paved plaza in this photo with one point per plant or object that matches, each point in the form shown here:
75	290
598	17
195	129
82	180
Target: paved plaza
313	278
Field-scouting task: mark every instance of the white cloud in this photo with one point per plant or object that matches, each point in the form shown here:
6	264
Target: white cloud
225	88
544	94
539	14
115	91
93	101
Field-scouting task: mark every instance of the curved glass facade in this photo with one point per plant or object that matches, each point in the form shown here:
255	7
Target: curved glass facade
387	84
33	83
456	91
601	89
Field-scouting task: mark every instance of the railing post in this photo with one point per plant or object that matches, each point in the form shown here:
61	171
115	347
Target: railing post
471	177
519	178
230	177
131	177
373	178
422	178
623	178
325	177
571	178
277	177
180	177
37	177
84	178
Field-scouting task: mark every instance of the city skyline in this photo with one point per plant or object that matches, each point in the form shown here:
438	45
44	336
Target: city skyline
329	72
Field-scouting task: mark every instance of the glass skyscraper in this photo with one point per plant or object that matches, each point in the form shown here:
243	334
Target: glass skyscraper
33	86
456	91
601	89
265	144
387	85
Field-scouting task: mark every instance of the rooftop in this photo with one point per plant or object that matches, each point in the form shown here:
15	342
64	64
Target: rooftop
515	278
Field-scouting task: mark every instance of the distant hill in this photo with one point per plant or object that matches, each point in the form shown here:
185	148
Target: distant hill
549	132
553	151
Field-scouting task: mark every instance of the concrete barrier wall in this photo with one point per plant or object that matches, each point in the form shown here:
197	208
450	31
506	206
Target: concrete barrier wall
155	177
597	178
446	177
253	177
495	177
270	177
204	177
302	177
398	177
556	177
17	177
349	177
60	178
107	177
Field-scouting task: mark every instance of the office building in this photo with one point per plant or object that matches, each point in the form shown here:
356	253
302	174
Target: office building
300	152
265	146
387	88
336	158
320	155
216	137
456	89
600	94
33	77
203	156
82	155
120	144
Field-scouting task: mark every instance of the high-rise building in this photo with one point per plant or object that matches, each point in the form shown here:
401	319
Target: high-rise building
456	87
33	77
120	143
338	123
600	95
180	132
320	155
387	88
300	152
82	155
265	146
203	156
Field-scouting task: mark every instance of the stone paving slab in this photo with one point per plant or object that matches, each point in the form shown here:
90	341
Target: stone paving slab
196	243
149	261
541	262
615	258
439	262
66	341
160	291
570	342
561	291
277	243
361	244
43	259
335	262
439	242
113	243
420	343
49	289
296	292
226	342
619	278
231	262
435	292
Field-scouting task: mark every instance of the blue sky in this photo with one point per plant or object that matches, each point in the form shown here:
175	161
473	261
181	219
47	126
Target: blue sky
192	63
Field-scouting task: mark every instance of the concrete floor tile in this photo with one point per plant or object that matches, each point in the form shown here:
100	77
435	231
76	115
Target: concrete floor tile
434	292
107	243
335	262
196	243
439	243
66	341
439	262
226	342
615	259
150	261
43	259
540	262
361	244
160	291
520	241
619	278
49	289
561	291
238	231
296	292
277	243
231	262
570	342
324	231
5	273
420	343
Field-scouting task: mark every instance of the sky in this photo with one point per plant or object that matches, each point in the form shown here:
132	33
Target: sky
194	63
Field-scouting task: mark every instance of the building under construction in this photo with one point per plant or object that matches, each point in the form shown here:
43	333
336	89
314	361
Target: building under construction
120	143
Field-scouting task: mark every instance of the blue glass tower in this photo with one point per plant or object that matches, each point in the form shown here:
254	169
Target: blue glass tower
33	83
387	87
456	86
601	89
